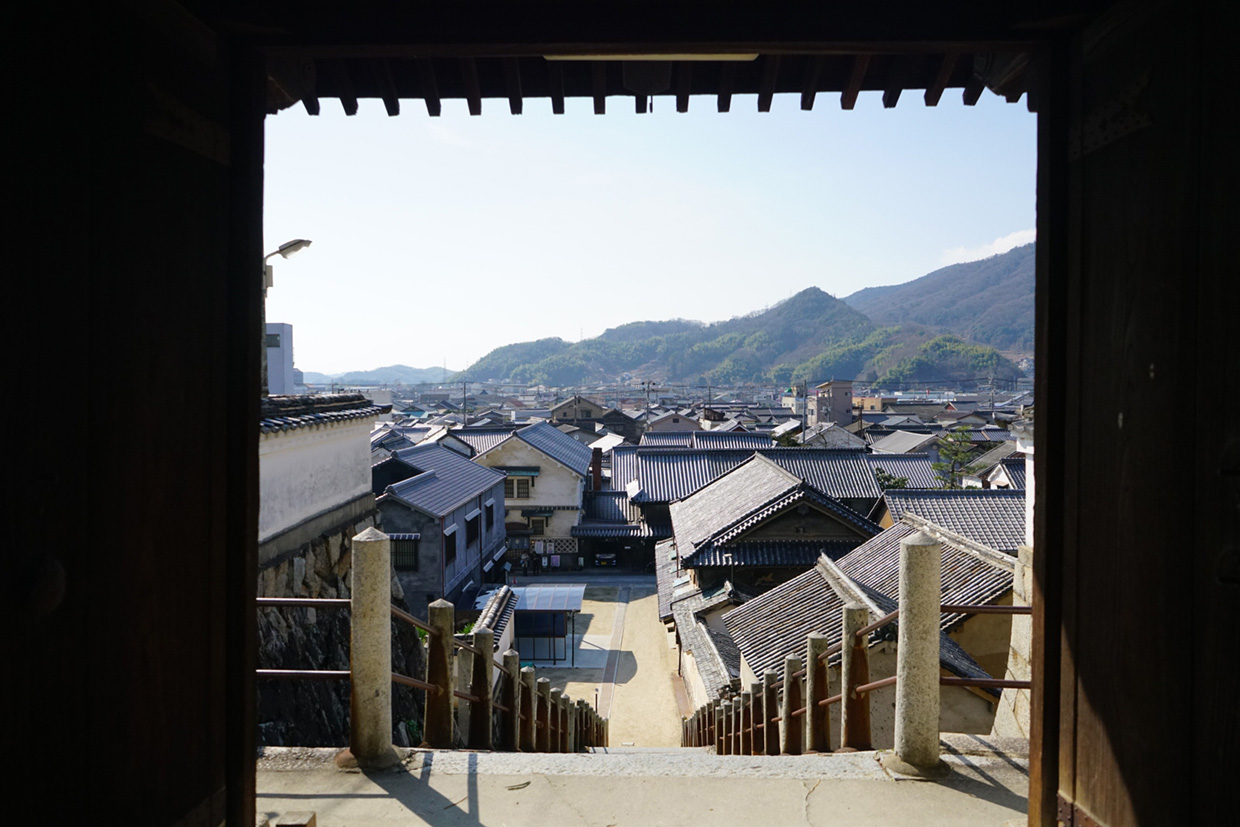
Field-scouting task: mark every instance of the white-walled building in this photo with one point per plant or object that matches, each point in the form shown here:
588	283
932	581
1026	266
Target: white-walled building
280	379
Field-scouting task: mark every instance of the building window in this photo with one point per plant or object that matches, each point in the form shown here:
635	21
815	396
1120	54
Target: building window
471	531
273	340
405	554
538	525
449	547
517	488
490	517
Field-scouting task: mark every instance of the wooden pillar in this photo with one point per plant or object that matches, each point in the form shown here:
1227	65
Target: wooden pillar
770	702
438	726
529	707
854	672
746	723
481	713
543	705
793	729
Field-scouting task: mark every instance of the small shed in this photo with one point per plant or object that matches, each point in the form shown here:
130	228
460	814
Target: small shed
546	620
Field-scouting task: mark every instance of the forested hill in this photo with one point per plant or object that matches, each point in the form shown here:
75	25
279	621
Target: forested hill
811	336
989	301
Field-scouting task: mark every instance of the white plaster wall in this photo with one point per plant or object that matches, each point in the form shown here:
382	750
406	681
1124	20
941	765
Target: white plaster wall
308	471
555	485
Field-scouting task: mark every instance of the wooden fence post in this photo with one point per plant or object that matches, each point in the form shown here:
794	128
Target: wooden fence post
755	718
529	707
512	699
770	702
854	672
793	730
746	723
543	704
553	719
482	681
817	689
438	726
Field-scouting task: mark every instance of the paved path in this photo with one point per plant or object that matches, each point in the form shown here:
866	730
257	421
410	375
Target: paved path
608	686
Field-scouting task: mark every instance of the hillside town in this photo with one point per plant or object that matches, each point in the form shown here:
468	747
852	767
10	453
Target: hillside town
753	517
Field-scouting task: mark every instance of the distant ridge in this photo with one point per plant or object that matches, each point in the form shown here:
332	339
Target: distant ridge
989	301
390	375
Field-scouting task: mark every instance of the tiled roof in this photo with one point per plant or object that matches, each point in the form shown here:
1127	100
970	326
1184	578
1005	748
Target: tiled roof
664	475
447	479
994	456
916	468
725	440
288	413
696	638
994	517
776	623
560	447
726	500
482	439
902	442
498	610
1015	469
609	514
790	553
667	439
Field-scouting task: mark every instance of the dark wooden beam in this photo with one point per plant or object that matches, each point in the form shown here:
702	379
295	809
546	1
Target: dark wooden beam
311	104
848	99
598	70
639	102
430	87
684	84
344	85
935	91
973	89
387	87
541	27
770	74
555	82
512	79
809	84
469	78
891	96
727	80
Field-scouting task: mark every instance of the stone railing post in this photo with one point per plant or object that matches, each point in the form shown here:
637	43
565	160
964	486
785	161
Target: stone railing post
583	729
511	738
758	732
793	730
917	660
566	731
817	688
481	712
854	672
543	704
438	726
529	708
770	703
725	727
370	654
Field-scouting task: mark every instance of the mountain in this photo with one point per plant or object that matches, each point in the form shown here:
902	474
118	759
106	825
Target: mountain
988	301
390	375
811	337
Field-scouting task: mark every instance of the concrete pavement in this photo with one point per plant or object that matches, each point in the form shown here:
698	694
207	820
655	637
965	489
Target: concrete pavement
645	788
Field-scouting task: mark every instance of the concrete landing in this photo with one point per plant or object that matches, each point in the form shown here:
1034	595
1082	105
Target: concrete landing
987	786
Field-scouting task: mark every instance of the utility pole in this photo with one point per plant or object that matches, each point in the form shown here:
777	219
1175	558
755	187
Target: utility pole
464	402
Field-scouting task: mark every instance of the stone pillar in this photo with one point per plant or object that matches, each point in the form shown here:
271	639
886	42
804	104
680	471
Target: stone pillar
817	688
757	734
793	730
529	708
555	726
725	727
370	654
746	747
854	671
770	702
917	660
439	727
481	713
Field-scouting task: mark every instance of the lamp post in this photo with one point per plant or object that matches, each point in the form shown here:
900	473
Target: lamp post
285	250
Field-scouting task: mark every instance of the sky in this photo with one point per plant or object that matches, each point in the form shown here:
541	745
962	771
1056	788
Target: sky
436	240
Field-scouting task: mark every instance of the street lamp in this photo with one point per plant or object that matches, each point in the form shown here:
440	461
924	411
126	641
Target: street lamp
286	250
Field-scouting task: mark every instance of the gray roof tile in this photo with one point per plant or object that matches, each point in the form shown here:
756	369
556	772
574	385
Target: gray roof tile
993	517
557	445
446	480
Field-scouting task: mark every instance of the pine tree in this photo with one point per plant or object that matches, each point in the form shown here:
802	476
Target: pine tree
955	452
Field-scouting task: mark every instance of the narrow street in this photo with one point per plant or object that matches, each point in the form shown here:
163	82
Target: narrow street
635	687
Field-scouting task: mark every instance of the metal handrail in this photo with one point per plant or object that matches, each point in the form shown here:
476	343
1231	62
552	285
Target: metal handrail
414	682
413	621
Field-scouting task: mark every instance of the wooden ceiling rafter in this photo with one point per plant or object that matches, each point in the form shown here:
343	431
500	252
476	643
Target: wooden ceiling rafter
473	90
382	68
555	82
512	79
343	83
770	75
848	98
934	92
727	81
598	73
430	87
810	81
684	85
